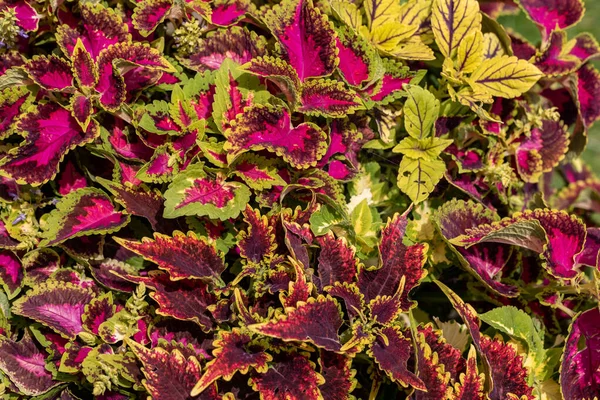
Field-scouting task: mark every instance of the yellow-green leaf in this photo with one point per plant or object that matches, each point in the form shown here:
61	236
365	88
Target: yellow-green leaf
414	12
429	148
492	46
417	177
420	111
470	53
504	76
452	21
413	49
361	218
387	37
380	12
348	13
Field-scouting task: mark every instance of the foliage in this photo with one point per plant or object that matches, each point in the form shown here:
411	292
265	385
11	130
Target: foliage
297	199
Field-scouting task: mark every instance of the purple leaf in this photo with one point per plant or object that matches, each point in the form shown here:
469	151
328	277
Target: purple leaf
52	73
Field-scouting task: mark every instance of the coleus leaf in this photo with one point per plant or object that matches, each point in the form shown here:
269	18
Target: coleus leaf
485	261
52	73
170	373
359	61
391	351
182	256
392	83
13	102
57	305
504	76
148	14
102	27
235	43
83	212
292	378
316	321
430	371
553	61
417	178
339	376
580	363
470	386
549	15
306	37
234	352
194	193
280	72
258	241
39	265
447	354
83	65
258	172
269	127
587	89
337	262
25	366
228	12
452	21
184	299
396	261
97	311
11	272
585	47
82	110
420	111
559	238
51	132
542	150
328	98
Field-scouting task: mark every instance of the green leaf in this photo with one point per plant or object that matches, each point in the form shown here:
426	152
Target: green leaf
420	111
326	217
428	149
417	177
504	76
452	21
361	218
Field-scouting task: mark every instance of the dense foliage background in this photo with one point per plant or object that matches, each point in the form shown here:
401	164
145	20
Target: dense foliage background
299	199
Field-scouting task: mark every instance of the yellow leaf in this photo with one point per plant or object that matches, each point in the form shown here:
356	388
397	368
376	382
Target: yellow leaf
452	21
414	12
349	13
417	177
429	148
504	76
492	46
381	12
470	53
421	110
386	37
413	49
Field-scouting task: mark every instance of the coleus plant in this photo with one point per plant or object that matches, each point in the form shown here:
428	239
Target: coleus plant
303	199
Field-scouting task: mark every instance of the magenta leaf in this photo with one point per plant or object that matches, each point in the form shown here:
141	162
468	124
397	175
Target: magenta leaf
269	128
586	47
580	362
228	12
25	366
328	98
359	61
588	90
70	179
83	212
552	61
98	310
550	14
52	73
11	272
149	13
51	133
235	43
306	37
84	67
82	110
57	305
316	321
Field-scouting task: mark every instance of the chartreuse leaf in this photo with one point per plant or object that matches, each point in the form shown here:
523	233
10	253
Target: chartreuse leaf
504	76
348	12
418	177
325	218
518	324
470	53
428	149
195	193
380	12
452	21
420	111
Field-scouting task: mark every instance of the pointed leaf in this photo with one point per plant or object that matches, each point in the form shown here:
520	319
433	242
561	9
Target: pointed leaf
269	127
51	133
83	212
328	98
453	21
504	76
234	352
258	241
84	67
337	262
316	321
552	61
553	13
471	383
306	37
52	73
148	14
359	61
430	371
183	257
588	89
417	178
57	305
